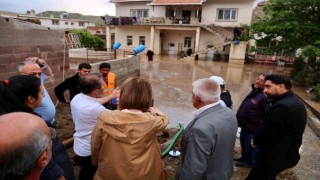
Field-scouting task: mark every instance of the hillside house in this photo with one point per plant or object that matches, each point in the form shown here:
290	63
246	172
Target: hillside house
172	26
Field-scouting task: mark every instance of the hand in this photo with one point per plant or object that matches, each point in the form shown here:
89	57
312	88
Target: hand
39	61
155	111
115	93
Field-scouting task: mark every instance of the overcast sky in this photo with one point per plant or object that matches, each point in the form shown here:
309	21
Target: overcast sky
85	7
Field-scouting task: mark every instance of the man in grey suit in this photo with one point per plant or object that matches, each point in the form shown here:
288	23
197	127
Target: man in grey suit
208	141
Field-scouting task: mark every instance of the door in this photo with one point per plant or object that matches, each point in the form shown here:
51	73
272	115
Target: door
171	49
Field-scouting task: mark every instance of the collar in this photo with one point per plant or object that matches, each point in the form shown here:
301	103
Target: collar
200	110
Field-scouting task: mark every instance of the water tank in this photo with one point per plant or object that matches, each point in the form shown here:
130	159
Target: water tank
139	49
116	45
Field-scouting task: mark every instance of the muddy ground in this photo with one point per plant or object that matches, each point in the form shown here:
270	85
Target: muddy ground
65	129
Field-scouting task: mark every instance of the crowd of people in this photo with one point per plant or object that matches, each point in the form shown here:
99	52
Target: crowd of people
118	139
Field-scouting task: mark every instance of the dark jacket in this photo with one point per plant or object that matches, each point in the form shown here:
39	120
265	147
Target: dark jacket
70	84
251	111
280	136
60	163
226	98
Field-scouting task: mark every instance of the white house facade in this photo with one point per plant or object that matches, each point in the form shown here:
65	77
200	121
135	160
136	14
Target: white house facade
171	26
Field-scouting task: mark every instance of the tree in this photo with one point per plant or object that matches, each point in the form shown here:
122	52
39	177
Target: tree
88	40
297	22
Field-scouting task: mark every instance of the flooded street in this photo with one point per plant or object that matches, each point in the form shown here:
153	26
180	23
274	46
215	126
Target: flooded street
171	80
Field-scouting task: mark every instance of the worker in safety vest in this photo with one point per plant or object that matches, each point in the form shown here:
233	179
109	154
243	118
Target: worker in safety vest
110	83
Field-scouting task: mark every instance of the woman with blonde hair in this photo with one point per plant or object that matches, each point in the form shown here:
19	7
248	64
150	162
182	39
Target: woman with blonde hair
124	143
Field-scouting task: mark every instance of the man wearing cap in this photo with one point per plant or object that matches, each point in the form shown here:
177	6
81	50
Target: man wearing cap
249	116
225	96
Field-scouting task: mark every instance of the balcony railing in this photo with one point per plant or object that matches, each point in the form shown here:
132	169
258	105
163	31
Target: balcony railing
148	20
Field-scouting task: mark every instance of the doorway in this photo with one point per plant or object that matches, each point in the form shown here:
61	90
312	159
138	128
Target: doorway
171	49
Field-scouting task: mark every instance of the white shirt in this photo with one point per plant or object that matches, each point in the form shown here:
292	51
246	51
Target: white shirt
85	111
200	110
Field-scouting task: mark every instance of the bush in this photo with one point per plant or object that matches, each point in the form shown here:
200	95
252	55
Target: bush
88	40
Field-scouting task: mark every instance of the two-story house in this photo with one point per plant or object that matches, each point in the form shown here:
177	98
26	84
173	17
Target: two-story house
56	23
170	26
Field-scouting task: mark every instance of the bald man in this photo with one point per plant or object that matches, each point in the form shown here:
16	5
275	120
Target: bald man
25	146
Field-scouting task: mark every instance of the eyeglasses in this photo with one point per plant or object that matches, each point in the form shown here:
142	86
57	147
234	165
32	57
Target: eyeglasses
35	74
53	133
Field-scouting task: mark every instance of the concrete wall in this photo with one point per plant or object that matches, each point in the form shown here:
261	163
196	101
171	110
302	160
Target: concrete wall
123	68
19	40
62	25
238	52
209	12
135	32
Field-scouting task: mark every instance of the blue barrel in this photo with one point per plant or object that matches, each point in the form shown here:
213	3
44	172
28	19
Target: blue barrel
116	45
138	49
236	42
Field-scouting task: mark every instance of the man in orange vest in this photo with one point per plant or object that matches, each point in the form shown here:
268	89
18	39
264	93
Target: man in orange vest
110	83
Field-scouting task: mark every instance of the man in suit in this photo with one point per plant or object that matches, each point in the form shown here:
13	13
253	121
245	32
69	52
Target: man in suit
208	141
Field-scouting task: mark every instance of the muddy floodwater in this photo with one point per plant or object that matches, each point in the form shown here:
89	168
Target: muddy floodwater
171	80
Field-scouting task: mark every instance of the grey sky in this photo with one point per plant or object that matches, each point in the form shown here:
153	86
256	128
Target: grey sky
85	7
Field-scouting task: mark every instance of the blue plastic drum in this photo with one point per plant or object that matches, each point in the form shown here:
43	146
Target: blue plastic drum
116	45
138	49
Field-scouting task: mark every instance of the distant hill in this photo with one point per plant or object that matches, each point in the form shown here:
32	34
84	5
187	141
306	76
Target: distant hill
56	14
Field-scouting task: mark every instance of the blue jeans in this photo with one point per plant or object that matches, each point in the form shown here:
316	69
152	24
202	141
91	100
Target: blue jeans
248	153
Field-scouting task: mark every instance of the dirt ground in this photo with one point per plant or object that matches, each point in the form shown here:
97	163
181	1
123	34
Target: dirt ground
65	129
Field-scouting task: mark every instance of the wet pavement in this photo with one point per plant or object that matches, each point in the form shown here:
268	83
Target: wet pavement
171	80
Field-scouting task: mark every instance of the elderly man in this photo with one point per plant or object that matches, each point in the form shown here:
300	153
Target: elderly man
280	135
60	166
71	83
25	146
208	141
85	108
250	115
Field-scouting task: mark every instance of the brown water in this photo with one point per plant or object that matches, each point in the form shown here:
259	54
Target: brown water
171	80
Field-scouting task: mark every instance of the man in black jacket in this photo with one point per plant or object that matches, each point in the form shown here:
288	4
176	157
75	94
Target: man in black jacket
250	115
71	83
280	136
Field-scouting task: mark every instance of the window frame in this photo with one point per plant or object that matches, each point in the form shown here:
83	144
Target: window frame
55	22
142	39
233	12
129	40
139	13
81	24
187	42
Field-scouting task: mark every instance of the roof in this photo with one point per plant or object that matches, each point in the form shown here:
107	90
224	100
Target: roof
37	17
176	2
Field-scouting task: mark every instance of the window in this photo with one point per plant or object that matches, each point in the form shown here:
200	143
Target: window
139	12
142	40
81	23
103	32
55	22
98	32
187	42
129	40
66	23
227	14
72	23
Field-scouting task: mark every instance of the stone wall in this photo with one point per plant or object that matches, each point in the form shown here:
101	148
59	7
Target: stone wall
19	40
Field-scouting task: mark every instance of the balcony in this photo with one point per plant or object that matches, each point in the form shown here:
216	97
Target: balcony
117	21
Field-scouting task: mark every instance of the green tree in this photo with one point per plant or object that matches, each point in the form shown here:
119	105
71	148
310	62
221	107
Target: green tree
297	22
88	40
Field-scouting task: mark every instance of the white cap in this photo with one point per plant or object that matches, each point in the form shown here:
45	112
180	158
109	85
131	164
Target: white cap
218	79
